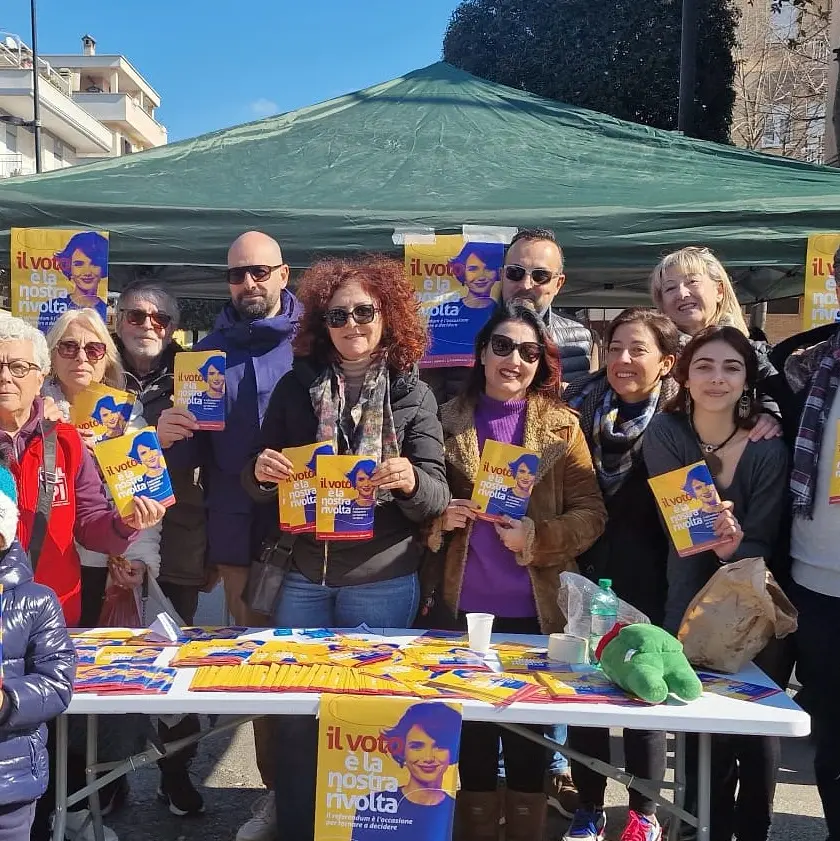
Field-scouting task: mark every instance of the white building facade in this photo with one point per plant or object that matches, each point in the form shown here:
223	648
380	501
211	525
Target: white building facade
92	106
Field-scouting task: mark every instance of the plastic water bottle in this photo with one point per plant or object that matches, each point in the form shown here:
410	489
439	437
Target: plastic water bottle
603	614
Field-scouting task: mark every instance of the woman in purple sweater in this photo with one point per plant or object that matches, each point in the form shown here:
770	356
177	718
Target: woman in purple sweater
511	568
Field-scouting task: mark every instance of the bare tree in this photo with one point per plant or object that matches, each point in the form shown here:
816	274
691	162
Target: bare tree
781	77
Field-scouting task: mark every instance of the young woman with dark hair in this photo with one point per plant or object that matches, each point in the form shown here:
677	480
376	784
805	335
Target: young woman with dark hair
710	420
511	568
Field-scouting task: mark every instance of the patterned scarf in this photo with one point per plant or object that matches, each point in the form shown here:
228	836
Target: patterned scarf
818	366
366	429
598	407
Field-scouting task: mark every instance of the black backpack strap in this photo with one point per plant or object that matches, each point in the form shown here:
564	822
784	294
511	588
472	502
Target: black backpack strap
46	491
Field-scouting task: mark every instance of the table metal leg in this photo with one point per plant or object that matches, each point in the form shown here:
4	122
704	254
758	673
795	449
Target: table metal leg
90	777
60	820
704	786
679	785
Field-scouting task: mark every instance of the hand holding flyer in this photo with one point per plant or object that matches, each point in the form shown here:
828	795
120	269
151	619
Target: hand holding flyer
345	498
102	410
690	504
200	386
504	481
298	493
134	466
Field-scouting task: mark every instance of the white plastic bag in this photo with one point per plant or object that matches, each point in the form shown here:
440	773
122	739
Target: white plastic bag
156	602
574	597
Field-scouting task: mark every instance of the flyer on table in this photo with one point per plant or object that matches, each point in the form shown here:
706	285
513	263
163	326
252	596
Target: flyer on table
505	480
298	493
457	284
820	302
134	466
387	769
688	500
200	386
345	498
54	270
102	410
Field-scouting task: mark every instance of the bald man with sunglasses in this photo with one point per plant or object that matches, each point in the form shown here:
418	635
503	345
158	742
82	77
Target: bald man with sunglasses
255	331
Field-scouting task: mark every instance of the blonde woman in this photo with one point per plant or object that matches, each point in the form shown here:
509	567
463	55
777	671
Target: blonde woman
692	288
82	352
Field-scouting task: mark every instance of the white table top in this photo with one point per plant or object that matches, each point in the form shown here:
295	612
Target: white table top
777	715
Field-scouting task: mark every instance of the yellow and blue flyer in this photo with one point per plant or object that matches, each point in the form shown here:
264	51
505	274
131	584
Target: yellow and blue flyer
134	466
298	492
345	498
200	386
688	500
457	283
834	481
387	768
102	410
505	480
55	270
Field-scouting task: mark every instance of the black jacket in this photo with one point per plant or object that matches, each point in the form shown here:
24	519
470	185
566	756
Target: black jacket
633	550
395	548
39	665
183	533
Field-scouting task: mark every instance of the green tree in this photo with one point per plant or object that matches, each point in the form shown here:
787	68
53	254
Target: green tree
620	57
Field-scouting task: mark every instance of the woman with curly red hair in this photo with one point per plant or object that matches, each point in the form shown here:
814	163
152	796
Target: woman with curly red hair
354	382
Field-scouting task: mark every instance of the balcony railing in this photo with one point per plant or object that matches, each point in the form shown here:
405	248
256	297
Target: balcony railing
14	164
14	53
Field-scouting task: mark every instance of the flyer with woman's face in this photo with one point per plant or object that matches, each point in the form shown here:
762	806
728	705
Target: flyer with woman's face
387	769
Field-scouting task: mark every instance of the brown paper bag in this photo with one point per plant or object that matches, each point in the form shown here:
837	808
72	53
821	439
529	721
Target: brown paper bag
734	616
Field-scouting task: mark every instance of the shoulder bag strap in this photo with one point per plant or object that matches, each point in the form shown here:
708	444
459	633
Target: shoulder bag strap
46	490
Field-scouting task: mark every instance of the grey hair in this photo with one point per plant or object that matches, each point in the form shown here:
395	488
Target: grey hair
155	294
13	329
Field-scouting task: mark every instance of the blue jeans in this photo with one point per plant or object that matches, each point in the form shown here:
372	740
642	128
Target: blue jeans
558	764
383	604
302	604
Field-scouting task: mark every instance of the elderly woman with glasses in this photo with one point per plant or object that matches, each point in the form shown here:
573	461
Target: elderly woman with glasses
510	567
354	383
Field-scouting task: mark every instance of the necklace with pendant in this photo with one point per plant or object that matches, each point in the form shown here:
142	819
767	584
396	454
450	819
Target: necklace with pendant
713	460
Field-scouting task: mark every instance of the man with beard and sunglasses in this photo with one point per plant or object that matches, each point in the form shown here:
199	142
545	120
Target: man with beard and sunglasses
147	316
255	331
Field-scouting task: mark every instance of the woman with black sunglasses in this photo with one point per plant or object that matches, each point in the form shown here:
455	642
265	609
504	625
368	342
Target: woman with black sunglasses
354	384
511	568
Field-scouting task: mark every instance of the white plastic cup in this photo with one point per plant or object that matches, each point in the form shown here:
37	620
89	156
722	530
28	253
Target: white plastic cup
479	630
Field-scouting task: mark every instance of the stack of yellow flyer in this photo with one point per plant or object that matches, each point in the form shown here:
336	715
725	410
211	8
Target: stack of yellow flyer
200	386
297	494
504	481
500	690
102	410
134	466
387	769
689	503
345	498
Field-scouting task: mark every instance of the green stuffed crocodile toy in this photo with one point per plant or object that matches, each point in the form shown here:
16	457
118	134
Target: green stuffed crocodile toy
647	662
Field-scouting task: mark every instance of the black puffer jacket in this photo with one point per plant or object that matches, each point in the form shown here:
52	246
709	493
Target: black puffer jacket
395	548
183	535
38	669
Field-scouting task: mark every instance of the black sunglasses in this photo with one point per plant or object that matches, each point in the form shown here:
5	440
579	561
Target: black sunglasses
236	275
137	318
362	314
519	273
69	349
504	346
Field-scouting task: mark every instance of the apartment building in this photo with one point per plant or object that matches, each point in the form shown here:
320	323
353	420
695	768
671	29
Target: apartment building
783	63
832	121
92	106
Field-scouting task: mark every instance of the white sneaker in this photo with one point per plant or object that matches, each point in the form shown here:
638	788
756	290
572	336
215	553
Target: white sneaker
79	827
263	825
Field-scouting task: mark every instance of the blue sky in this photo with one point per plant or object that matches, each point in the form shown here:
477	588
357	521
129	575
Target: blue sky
222	62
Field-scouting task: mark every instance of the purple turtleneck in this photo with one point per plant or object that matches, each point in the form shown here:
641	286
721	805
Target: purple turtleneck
493	581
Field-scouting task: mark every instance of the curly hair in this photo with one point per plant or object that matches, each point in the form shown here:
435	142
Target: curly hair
404	336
